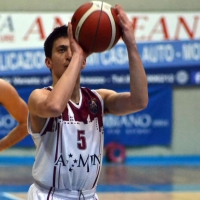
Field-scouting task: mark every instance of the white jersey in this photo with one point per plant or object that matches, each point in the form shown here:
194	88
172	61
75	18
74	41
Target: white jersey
69	149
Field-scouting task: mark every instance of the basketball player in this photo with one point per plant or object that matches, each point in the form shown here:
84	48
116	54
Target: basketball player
18	109
66	121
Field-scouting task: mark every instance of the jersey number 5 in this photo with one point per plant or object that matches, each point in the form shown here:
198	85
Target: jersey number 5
81	141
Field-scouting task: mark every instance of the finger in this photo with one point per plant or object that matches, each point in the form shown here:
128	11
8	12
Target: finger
70	34
119	11
118	7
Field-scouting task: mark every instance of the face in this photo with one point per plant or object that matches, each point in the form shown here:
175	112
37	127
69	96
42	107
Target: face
61	57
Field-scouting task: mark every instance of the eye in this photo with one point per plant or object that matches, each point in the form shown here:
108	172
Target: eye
62	49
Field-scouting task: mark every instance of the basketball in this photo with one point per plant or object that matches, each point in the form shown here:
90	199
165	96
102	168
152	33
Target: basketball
95	26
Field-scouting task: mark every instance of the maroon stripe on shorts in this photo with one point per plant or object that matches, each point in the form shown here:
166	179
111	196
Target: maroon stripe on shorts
48	197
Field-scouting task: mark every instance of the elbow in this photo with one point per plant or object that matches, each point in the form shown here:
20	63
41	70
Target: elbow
144	100
54	110
141	104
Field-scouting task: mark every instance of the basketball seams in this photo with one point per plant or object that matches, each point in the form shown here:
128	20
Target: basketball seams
82	20
97	25
112	21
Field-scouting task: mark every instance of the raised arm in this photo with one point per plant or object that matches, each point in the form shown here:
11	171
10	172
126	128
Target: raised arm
17	108
137	98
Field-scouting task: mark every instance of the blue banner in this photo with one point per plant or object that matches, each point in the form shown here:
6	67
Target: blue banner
168	54
120	79
22	62
115	79
151	126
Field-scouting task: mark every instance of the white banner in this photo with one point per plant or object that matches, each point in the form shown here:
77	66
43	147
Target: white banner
29	30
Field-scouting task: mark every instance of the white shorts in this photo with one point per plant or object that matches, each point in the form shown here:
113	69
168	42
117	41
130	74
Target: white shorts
35	192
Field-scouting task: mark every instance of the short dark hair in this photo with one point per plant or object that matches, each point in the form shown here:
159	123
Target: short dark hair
54	35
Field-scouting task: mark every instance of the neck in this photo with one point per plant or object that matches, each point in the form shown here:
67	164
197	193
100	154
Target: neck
76	95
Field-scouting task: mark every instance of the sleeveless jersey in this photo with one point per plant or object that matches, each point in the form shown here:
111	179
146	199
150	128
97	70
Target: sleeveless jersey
69	149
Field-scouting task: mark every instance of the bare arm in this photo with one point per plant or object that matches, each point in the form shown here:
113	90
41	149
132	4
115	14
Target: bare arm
137	98
17	108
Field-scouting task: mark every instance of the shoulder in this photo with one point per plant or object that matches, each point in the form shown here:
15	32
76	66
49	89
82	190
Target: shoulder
39	92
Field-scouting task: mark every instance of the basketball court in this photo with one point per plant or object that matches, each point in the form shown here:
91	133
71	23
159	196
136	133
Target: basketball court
136	179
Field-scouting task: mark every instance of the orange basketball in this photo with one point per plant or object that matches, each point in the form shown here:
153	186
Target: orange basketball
95	26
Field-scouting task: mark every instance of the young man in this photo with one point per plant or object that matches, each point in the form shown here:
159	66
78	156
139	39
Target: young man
18	109
66	121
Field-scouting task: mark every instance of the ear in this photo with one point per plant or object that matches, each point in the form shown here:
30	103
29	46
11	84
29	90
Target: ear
48	62
84	64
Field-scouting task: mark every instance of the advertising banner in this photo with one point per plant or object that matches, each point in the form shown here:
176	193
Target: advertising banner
165	41
166	54
151	126
158	57
21	30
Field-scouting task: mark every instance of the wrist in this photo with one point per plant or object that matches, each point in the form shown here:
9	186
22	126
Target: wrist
78	56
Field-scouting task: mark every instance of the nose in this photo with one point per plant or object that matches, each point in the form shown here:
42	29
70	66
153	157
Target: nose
69	53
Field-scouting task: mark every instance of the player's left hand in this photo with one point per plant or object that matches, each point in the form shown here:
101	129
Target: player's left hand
127	27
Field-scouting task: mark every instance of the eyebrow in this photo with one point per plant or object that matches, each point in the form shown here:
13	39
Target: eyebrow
62	46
